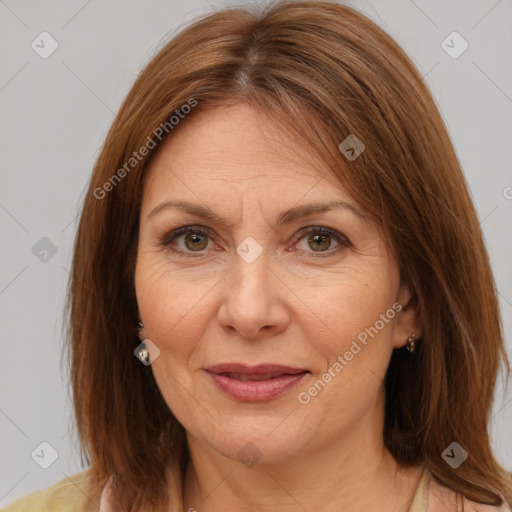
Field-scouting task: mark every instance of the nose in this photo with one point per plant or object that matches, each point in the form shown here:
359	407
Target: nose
253	300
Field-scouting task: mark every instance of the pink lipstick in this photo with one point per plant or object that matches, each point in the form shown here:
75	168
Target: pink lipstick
255	383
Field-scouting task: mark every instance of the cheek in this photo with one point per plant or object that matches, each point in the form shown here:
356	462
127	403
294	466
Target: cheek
175	313
354	320
173	306
344	303
354	343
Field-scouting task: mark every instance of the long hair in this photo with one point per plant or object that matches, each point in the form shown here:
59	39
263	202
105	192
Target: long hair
324	72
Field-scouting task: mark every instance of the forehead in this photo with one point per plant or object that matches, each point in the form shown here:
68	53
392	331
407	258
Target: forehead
235	158
236	143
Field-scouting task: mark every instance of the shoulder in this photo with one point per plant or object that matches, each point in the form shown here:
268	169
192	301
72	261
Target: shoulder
471	506
441	498
70	493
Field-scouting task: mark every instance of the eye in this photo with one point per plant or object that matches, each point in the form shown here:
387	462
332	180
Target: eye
320	240
187	239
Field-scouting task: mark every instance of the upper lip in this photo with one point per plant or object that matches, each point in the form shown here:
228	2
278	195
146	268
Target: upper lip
258	369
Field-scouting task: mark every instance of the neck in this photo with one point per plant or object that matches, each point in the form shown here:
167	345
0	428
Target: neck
352	472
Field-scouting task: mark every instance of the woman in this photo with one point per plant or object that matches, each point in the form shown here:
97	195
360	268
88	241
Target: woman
280	297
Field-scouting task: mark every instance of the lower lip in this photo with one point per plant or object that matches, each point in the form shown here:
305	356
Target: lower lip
256	390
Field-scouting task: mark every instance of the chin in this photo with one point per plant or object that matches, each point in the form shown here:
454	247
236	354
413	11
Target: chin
259	440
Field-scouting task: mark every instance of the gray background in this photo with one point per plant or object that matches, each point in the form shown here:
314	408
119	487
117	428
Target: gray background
55	114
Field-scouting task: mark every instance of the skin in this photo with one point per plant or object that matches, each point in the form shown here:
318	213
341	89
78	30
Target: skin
293	305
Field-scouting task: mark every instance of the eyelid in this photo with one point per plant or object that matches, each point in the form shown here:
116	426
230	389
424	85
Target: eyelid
342	239
169	236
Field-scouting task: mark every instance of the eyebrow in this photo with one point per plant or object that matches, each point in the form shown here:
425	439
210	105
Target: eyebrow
286	217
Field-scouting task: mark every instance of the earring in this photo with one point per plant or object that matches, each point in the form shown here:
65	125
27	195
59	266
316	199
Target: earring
144	354
411	343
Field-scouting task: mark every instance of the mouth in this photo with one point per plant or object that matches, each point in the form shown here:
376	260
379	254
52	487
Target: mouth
255	383
246	377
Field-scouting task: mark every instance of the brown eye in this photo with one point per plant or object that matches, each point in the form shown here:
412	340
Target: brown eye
196	241
319	241
186	240
322	241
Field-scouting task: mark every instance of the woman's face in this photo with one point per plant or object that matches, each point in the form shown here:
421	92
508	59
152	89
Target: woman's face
260	278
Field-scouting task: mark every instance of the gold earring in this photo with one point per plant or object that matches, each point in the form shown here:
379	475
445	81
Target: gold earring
411	343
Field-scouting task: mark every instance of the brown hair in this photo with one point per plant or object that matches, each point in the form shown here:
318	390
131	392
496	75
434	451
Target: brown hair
323	71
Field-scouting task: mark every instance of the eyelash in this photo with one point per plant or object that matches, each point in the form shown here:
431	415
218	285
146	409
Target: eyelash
170	237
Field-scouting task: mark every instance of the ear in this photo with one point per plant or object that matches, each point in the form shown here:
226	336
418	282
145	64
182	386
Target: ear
407	320
140	332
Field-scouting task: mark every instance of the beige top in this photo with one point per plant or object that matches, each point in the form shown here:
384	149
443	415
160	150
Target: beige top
433	497
70	494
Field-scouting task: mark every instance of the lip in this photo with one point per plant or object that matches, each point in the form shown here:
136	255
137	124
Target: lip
255	390
254	370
